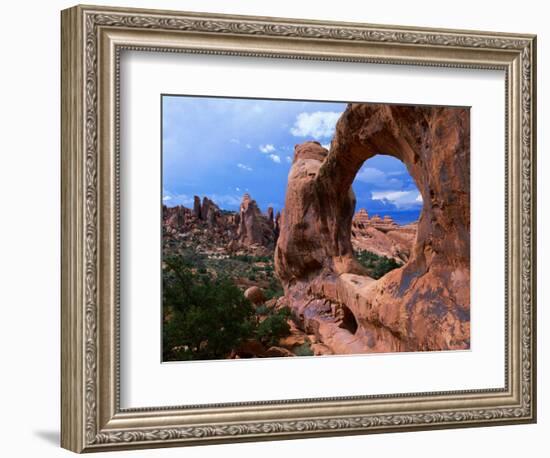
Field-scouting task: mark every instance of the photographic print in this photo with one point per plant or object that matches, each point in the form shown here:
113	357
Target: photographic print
308	228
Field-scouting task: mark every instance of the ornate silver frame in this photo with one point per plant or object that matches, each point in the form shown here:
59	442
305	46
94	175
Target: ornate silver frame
92	38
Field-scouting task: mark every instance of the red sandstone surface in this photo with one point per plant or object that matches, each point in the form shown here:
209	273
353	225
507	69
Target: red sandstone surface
425	304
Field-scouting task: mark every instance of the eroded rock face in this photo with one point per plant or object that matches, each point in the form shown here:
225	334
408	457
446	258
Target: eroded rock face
424	305
254	230
197	206
382	236
255	295
270	220
210	212
175	217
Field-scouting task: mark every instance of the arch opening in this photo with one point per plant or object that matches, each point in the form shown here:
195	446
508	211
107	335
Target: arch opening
388	205
348	320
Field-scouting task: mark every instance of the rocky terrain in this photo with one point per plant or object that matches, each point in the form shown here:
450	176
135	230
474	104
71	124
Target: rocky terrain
323	279
241	244
422	305
209	230
382	236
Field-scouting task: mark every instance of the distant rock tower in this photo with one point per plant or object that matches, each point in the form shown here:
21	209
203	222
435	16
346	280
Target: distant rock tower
197	207
270	217
254	228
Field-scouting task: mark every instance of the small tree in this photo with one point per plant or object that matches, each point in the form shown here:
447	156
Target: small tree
377	266
274	327
208	318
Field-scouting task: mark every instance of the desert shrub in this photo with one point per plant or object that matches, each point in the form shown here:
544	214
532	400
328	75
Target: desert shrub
273	293
244	258
284	312
274	290
250	259
262	310
384	266
303	350
273	328
377	266
208	317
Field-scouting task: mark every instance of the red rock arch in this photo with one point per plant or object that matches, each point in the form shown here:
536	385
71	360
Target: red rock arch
425	305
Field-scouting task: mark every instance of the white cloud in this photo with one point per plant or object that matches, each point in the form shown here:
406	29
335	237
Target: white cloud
248	146
370	175
234	140
267	148
400	199
326	145
289	159
378	178
319	124
223	200
176	199
244	167
275	158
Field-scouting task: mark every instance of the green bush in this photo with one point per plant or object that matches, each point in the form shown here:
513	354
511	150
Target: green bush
262	310
377	266
208	318
273	328
303	350
244	258
274	290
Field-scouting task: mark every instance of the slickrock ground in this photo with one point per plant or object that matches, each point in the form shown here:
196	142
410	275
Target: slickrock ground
424	305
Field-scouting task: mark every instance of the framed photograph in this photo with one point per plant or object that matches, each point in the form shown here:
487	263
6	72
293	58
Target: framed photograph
278	228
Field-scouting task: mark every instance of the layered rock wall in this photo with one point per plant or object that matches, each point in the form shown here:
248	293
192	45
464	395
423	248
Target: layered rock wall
382	236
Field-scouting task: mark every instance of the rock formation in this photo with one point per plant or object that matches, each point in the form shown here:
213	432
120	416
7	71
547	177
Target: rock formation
382	236
270	217
197	206
254	229
175	217
424	305
214	230
204	226
255	295
210	212
277	222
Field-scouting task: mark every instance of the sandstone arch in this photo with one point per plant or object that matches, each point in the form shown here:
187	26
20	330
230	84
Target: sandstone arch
424	305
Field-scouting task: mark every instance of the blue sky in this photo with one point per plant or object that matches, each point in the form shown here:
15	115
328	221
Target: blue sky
223	147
